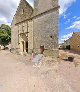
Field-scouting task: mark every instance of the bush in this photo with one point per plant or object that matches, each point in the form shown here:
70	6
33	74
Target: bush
5	35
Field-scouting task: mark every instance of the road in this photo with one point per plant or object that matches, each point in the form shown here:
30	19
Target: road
17	74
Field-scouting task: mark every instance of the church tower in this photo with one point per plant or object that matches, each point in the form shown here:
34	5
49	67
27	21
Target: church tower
46	26
44	5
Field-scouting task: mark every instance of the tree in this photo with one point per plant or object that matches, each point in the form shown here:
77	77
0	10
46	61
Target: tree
5	35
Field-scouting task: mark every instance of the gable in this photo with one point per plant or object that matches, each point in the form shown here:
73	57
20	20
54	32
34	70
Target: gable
24	11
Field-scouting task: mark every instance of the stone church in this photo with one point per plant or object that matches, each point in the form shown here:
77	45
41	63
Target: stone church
36	26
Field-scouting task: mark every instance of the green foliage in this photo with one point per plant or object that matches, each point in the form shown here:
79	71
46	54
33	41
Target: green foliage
5	34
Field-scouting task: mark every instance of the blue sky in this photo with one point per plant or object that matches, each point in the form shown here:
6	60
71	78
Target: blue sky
69	15
69	21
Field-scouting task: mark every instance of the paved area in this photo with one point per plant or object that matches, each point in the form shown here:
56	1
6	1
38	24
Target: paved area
17	74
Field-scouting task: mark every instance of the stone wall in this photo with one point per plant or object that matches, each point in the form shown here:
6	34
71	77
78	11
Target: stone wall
23	32
46	32
75	42
14	37
30	36
41	6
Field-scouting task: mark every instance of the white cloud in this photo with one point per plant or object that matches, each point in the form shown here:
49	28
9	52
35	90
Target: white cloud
65	16
8	9
65	37
3	20
74	17
68	21
78	18
75	25
64	5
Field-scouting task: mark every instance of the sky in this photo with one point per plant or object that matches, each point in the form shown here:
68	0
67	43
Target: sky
69	16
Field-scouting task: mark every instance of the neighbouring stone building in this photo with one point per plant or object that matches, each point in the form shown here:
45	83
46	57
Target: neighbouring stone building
36	26
66	44
75	41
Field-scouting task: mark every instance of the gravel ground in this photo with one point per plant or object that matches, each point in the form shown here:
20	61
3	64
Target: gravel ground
17	74
70	70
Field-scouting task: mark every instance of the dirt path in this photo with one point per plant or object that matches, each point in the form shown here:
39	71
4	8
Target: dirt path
18	75
70	70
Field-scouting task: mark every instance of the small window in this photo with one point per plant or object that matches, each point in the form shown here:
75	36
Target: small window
22	11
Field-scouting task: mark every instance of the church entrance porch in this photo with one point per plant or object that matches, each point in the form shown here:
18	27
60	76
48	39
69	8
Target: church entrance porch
24	46
23	42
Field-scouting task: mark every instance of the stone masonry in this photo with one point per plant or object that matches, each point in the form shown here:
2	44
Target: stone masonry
35	27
